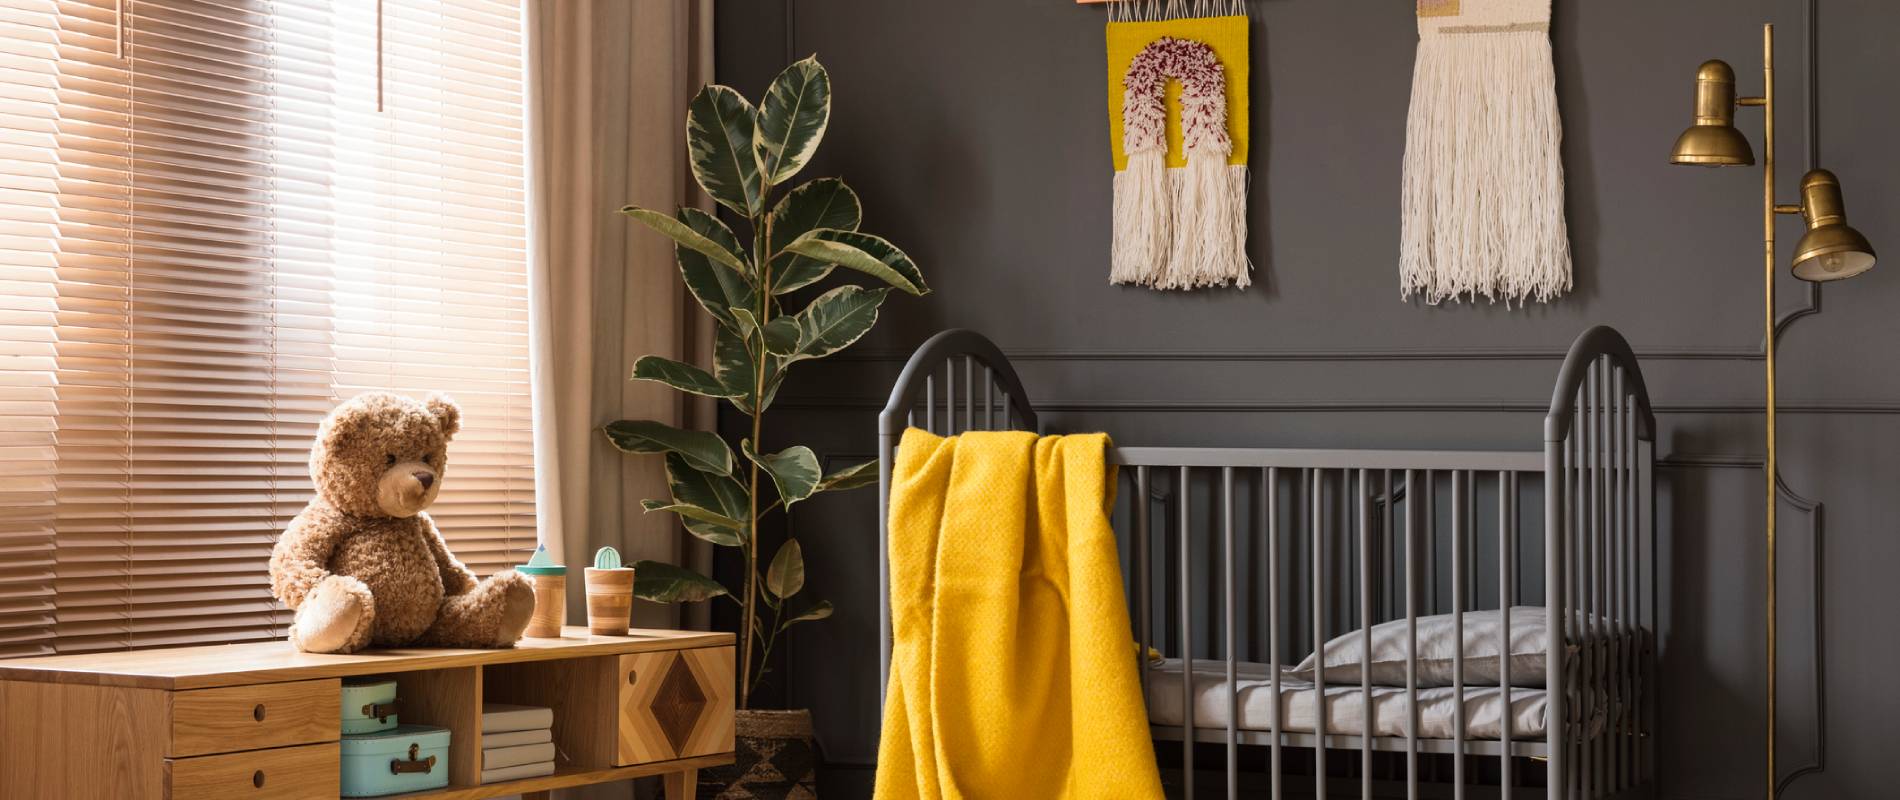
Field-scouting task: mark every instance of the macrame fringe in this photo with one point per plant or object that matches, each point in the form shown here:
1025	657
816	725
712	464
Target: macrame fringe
1210	198
1483	190
1143	225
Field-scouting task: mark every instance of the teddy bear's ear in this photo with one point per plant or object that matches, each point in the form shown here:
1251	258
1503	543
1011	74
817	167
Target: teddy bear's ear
446	412
337	430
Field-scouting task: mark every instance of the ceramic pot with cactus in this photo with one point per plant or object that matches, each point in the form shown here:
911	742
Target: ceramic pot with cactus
609	594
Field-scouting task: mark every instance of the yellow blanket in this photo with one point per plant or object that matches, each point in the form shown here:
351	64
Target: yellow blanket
1012	669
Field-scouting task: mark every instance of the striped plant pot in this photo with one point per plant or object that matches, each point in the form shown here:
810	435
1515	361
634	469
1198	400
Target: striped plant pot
774	759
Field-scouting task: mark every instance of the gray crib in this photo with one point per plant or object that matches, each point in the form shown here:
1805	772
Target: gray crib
1235	558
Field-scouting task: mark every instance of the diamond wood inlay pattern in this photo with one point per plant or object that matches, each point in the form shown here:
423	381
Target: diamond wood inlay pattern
675	704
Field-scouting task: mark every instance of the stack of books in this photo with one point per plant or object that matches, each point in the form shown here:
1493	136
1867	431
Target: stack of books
517	742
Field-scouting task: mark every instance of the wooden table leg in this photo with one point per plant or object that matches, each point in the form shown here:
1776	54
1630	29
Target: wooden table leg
681	785
537	795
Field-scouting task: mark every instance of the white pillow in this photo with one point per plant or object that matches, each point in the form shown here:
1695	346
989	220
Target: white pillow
1437	646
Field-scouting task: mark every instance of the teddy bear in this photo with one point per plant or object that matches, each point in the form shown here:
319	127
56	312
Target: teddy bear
363	564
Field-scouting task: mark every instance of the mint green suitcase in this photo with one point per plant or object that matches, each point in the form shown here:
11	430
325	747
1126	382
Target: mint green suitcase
369	705
406	758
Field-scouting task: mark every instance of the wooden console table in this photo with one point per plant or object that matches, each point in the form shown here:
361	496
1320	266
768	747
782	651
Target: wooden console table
262	720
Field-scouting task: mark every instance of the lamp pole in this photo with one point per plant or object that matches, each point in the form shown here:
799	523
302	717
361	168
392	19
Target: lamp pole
1767	101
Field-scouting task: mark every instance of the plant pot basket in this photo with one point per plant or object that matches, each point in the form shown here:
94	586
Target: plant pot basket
774	758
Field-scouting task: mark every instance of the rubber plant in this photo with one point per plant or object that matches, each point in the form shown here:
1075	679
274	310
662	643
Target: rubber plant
742	156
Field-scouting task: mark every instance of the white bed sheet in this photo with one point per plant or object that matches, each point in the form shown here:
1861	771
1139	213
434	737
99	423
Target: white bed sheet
1345	705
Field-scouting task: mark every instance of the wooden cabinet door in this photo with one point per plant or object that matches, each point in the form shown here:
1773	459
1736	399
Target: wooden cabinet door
675	704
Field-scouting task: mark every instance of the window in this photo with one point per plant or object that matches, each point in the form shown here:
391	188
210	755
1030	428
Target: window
209	235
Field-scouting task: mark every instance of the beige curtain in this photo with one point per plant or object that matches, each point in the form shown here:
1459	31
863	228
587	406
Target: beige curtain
609	81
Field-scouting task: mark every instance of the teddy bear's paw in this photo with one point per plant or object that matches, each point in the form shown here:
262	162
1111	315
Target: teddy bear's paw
517	608
334	618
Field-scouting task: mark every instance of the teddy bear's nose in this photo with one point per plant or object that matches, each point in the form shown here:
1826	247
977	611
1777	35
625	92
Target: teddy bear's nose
427	480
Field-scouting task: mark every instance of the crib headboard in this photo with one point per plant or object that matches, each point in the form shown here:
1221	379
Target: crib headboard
1600	531
979	391
1334	510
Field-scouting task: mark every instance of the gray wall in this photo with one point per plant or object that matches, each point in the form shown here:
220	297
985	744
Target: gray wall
976	132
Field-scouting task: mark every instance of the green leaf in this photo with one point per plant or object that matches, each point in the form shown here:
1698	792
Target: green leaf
704	450
850	477
823	203
687	237
733	366
717	287
786	575
718	493
747	322
819	610
865	253
835	320
719	528
684	377
782	335
792	119
720	129
794	471
661	582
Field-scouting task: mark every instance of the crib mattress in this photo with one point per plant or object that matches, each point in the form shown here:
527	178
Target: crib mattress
1346	714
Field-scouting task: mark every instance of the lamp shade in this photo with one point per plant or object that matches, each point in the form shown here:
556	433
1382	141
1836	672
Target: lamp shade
1830	250
1713	140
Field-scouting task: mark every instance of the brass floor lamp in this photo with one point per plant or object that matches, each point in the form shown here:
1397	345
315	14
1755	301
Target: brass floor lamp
1830	250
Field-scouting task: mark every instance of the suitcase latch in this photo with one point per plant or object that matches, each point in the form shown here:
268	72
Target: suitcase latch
381	711
398	766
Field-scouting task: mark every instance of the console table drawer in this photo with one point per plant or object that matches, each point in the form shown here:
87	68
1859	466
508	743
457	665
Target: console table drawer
206	721
292	773
675	704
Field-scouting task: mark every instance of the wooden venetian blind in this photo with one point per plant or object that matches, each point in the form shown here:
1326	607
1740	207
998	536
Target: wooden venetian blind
218	218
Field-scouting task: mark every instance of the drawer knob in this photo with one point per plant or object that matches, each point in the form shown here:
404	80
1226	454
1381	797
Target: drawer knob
633	676
258	714
257	779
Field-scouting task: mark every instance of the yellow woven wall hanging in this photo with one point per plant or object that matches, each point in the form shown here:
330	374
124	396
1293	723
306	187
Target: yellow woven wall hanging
1177	113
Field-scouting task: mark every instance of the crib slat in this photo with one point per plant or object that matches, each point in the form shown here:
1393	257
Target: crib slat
1556	519
1507	594
1144	578
988	398
1432	606
950	397
1593	571
1586	582
1366	727
1621	586
1460	516
1187	633
1270	488
1580	529
969	393
1600	571
1412	519
1646	519
1390	581
1317	517
1632	641
1233	683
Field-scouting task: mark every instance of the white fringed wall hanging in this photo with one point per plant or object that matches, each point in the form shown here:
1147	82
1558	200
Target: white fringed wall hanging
1180	191
1484	180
